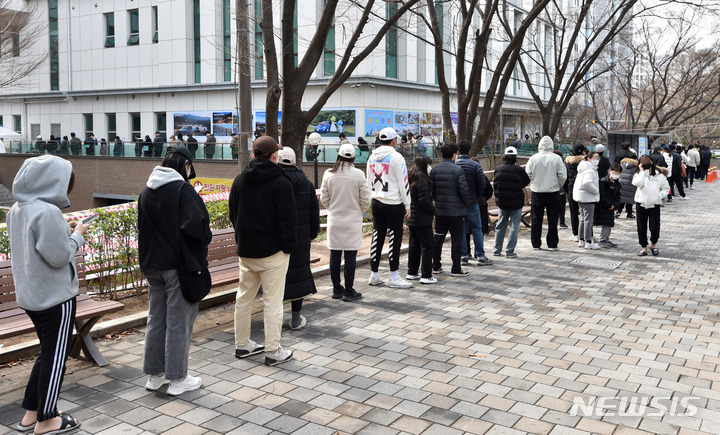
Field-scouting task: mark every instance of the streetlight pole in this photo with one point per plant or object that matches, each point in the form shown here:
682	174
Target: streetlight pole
244	89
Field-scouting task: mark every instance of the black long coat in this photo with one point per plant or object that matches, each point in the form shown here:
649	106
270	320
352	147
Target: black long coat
609	196
299	281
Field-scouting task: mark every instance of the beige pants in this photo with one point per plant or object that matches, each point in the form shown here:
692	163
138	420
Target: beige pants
270	272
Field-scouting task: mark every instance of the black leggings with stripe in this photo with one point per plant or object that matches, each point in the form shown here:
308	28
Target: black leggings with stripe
54	328
386	219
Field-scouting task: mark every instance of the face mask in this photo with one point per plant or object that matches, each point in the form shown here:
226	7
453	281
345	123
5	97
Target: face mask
429	169
615	175
595	163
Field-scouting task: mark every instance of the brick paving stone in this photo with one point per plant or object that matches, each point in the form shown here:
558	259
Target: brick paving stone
411	424
184	429
532	426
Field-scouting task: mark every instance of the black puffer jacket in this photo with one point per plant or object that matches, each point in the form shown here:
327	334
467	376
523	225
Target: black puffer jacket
473	175
422	209
609	197
450	190
624	154
509	181
299	281
627	189
676	164
658	159
262	210
571	163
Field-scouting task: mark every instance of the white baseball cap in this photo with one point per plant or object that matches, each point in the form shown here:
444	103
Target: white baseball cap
511	151
286	156
388	133
599	148
347	150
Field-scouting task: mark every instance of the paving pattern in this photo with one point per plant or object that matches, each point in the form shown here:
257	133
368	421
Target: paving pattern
538	344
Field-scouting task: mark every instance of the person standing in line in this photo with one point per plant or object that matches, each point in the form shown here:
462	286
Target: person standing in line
692	164
563	199
119	147
299	281
609	202
387	178
46	281
345	194
587	193
192	143
652	188
627	189
509	180
75	145
103	147
52	145
604	164
210	143
234	146
571	164
452	198
625	153
90	143
264	215
547	173
419	223
705	156
473	221
676	173
64	146
158	143
169	242
40	145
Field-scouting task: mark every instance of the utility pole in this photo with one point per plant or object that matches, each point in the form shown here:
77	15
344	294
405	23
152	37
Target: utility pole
244	96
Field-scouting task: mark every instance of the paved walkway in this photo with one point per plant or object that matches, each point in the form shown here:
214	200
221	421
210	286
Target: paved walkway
549	336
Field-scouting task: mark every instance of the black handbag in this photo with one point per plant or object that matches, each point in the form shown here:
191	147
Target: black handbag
195	284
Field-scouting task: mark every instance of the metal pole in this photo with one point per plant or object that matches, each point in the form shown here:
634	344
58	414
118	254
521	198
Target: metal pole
315	164
244	89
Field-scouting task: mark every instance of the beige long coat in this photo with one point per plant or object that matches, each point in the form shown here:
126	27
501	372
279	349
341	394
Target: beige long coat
346	196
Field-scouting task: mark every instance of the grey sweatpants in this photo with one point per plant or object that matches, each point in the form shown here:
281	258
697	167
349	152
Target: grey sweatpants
169	327
586	218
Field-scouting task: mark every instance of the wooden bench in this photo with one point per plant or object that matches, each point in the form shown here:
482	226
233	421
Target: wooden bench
14	321
494	211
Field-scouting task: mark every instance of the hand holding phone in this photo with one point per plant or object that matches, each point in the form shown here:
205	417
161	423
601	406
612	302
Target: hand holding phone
89	219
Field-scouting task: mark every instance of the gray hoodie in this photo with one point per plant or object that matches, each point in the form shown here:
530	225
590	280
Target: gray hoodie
43	248
546	170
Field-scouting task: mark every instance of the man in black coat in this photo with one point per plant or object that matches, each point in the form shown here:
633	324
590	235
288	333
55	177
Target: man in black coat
192	144
90	143
452	198
609	203
473	220
675	180
624	154
657	157
705	156
263	213
158	143
75	145
509	181
210	143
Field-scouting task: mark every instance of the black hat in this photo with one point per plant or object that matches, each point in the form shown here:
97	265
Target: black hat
185	153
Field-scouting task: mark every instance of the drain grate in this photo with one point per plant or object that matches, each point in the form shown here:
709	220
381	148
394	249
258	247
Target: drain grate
596	262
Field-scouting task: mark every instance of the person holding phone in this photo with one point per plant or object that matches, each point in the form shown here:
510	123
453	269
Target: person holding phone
43	257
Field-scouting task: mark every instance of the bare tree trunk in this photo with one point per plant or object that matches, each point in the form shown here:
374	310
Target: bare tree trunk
244	88
272	97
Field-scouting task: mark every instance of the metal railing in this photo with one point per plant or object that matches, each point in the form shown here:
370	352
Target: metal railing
222	151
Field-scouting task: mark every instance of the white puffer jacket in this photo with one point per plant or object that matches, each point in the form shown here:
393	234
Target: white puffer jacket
587	183
651	189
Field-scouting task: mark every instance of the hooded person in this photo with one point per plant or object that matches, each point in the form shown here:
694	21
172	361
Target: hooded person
44	248
264	215
173	238
571	163
587	193
299	281
547	174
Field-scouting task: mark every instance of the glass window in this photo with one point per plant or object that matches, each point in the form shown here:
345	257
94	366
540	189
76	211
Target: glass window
196	34
56	130
17	120
54	55
161	122
134	20
155	24
109	30
88	124
1	120
135	126
111	126
258	42
329	52
391	44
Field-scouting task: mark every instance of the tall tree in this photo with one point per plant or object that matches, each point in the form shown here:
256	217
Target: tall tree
19	34
288	93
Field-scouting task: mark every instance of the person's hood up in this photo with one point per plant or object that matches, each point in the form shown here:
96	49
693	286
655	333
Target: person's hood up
383	151
161	176
261	170
546	145
43	178
585	166
574	160
629	163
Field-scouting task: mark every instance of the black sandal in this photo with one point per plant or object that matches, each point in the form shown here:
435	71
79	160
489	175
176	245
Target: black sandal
642	254
68	424
654	251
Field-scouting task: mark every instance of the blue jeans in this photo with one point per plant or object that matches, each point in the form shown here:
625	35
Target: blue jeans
505	216
473	220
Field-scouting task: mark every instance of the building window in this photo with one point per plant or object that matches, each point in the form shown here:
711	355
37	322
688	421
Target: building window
34	130
135	126
161	122
16	45
111	119
196	36
56	130
134	20
155	24
227	42
88	124
17	121
258	42
391	43
109	30
329	52
1	121
54	55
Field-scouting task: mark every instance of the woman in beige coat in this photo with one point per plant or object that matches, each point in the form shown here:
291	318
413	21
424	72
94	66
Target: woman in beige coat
346	196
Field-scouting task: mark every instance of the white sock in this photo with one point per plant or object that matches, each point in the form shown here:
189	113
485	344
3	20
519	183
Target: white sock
394	276
374	275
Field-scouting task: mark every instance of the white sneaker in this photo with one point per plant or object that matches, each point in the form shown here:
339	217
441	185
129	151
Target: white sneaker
592	246
581	243
575	239
154	382
683	198
399	283
278	357
692	188
376	281
412	277
251	348
190	383
430	280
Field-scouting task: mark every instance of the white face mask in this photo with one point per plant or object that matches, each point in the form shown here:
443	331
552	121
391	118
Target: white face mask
615	175
595	163
429	169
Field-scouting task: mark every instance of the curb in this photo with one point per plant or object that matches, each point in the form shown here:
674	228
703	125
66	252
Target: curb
30	348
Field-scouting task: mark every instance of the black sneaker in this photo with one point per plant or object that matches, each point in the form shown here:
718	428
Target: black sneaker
465	260
642	254
439	270
351	295
631	216
484	261
654	251
460	273
338	294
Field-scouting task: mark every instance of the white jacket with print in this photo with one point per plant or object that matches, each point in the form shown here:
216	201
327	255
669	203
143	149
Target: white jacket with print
651	189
